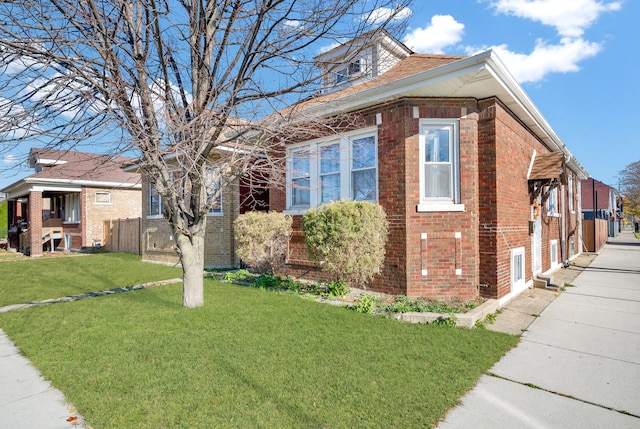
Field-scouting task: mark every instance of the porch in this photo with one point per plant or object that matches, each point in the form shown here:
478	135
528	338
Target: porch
43	221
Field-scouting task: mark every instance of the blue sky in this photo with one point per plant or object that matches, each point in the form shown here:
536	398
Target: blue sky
576	59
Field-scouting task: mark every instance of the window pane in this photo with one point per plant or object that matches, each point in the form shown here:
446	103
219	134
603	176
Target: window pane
329	158
443	145
364	185
155	201
437	178
430	139
517	267
300	165
300	195
364	153
330	188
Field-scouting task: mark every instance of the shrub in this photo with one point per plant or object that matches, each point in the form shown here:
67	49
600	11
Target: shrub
364	303
349	238
337	288
262	239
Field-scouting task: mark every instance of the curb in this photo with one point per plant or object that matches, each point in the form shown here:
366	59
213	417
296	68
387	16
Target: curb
463	320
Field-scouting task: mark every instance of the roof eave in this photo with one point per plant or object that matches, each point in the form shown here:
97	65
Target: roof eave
484	65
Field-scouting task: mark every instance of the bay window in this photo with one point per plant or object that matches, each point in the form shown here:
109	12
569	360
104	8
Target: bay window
326	170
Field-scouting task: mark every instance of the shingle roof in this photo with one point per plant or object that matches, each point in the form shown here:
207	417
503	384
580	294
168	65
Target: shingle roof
409	66
81	166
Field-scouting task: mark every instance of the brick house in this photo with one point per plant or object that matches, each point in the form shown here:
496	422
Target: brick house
606	207
64	204
481	194
157	241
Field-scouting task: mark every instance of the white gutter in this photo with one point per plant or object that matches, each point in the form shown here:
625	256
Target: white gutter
485	61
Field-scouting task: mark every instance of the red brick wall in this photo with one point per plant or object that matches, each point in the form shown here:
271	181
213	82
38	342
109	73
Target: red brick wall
465	253
506	149
407	254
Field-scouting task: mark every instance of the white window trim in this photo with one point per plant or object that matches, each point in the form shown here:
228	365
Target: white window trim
440	205
76	218
102	203
553	211
552	244
211	211
521	283
571	204
149	215
312	147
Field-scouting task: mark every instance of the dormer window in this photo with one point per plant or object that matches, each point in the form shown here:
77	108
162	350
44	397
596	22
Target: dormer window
360	59
350	71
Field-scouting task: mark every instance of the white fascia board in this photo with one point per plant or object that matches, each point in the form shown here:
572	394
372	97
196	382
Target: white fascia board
399	87
45	161
487	62
49	184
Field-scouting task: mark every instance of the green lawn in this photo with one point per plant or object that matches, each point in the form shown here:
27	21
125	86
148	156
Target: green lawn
35	279
248	359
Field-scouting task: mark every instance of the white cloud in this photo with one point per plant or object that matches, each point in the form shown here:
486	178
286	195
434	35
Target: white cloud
569	17
10	159
384	14
292	23
443	31
547	58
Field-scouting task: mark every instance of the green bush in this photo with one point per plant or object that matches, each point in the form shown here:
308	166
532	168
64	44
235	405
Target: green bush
262	239
365	304
4	219
337	288
348	238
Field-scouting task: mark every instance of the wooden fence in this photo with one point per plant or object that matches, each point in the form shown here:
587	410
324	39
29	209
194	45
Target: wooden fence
601	234
122	235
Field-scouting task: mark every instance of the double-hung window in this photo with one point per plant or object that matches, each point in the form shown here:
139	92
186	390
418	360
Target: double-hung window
155	201
363	169
552	202
328	170
212	184
300	168
439	166
570	194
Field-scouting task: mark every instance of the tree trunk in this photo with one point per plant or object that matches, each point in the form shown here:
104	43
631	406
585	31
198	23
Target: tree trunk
192	258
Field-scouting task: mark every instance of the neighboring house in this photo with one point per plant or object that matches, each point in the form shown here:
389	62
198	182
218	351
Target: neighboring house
481	194
64	204
606	208
158	244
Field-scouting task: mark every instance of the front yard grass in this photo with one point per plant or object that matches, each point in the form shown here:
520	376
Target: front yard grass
36	279
248	359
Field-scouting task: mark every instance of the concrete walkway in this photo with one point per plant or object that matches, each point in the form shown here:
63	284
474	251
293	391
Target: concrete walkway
27	401
578	364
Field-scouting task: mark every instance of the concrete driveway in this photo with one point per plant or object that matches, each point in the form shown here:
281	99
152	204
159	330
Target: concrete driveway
578	364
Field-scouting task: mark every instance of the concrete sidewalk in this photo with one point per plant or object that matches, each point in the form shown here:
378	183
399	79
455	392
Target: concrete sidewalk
27	401
578	364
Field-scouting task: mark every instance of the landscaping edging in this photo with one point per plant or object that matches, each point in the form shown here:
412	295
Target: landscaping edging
463	320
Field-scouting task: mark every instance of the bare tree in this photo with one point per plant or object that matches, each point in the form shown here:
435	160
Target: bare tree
177	81
630	188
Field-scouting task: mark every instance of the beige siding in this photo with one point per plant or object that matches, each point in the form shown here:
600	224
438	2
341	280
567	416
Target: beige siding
122	204
158	241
